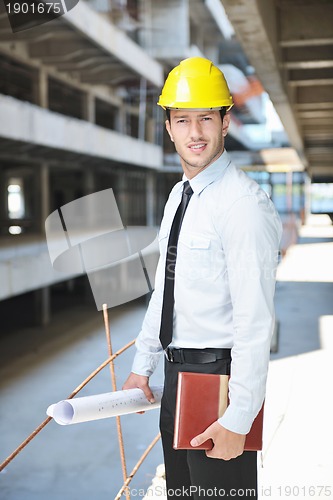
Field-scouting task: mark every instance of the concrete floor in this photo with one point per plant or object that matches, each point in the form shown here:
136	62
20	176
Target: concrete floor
298	438
42	366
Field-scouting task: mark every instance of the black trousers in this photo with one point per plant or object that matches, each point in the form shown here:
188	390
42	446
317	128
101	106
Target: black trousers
190	473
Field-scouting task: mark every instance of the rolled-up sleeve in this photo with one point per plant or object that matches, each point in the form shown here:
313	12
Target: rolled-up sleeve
251	234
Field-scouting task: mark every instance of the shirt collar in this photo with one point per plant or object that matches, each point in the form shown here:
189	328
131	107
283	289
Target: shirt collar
209	174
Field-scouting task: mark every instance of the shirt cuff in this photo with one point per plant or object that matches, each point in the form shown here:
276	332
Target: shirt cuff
236	420
145	364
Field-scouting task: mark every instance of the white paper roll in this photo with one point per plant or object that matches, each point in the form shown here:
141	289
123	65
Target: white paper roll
110	404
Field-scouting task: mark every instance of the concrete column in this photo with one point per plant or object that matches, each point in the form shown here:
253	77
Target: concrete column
142	109
44	195
121	197
89	188
89	110
3	205
89	181
41	92
289	193
307	197
42	306
121	122
42	296
151	199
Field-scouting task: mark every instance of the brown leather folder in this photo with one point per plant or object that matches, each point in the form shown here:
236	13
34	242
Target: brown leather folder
202	399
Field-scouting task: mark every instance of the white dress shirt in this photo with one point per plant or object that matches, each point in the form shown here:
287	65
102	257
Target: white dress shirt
224	282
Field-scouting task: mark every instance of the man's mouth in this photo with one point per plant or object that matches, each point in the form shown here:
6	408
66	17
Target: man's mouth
198	147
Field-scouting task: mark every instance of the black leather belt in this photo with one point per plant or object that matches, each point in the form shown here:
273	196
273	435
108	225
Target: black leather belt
209	355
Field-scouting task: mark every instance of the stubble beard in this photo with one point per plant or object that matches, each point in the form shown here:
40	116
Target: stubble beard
201	166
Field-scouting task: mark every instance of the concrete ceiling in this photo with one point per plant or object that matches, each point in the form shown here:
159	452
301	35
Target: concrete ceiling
290	45
84	44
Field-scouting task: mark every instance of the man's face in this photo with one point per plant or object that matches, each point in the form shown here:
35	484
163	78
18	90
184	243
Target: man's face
198	137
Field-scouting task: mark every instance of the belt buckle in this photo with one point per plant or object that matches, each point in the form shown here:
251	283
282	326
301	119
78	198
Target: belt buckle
169	355
209	357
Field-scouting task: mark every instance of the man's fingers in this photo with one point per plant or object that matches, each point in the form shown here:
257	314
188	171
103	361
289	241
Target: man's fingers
199	439
147	392
140	382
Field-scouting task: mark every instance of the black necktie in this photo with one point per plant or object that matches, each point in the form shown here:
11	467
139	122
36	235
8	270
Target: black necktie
170	263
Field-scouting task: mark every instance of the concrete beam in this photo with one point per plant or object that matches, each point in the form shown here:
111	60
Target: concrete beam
25	265
314	105
324	165
103	92
311	77
308	53
314	113
311	83
7	35
111	39
328	63
322	171
25	122
311	21
306	42
56	49
217	11
308	95
259	39
316	127
324	152
86	63
318	134
102	76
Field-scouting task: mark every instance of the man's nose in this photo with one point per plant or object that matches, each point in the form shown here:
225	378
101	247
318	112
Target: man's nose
195	131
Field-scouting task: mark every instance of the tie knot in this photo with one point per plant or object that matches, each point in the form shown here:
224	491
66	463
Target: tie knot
187	188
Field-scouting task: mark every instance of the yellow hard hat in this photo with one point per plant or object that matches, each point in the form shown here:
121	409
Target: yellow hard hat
195	84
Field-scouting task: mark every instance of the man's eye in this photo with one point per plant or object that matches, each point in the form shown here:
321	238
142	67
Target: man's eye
206	118
181	121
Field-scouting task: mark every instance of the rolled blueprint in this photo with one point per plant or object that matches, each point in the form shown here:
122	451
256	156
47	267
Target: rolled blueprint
110	404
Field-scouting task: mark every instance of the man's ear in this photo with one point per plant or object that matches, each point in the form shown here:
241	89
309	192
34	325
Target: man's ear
168	127
225	124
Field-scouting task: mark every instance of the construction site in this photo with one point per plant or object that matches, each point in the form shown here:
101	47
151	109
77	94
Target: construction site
78	116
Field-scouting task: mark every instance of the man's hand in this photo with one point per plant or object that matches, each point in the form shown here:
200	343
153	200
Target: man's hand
135	381
227	444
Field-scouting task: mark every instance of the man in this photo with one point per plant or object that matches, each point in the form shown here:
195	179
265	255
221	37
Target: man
221	273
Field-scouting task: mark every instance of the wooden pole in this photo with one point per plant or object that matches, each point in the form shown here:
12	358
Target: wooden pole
136	467
114	388
71	396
